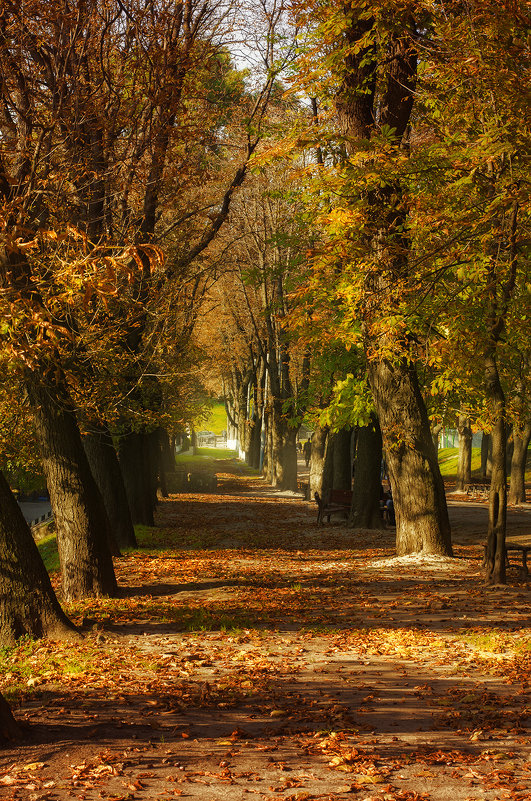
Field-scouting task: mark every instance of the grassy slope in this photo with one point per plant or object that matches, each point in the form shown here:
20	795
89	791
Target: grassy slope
217	421
448	463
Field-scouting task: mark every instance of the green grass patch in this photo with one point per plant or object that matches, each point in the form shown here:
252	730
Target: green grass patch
448	461
217	419
157	540
31	663
205	453
48	550
497	642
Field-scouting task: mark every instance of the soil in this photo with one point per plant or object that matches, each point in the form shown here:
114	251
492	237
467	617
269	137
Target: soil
319	666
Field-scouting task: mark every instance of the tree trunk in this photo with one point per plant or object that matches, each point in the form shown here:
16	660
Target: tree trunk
317	460
153	462
365	510
342	459
464	459
168	450
28	605
80	516
486	455
436	433
521	438
422	523
254	444
267	465
9	728
132	456
495	548
105	468
284	450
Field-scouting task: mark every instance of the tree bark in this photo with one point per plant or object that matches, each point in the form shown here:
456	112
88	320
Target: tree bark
495	548
464	459
168	450
486	455
132	456
342	459
105	468
80	516
436	433
284	450
254	442
317	459
365	510
9	728
422	523
521	439
153	462
28	605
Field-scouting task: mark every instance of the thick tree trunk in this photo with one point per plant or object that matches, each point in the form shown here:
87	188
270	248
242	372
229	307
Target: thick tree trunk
317	459
521	438
80	516
134	461
284	451
464	459
9	728
342	459
167	445
105	468
28	605
422	522
365	510
495	546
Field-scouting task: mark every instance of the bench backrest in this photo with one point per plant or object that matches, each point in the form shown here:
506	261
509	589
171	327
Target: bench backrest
340	496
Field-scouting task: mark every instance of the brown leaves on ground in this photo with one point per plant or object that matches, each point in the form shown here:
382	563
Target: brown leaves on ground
253	654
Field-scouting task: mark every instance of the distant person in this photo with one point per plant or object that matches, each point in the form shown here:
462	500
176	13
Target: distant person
307	451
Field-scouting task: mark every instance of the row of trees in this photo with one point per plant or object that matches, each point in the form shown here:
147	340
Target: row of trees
407	302
125	130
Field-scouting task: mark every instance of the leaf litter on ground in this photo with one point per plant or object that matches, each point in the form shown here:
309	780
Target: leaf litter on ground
252	653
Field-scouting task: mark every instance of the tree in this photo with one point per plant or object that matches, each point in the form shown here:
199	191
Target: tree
28	603
9	729
371	58
464	460
477	214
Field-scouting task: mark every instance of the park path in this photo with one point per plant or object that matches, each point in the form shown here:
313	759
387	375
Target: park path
253	654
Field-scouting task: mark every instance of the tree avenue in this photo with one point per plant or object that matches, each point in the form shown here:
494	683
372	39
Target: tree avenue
339	235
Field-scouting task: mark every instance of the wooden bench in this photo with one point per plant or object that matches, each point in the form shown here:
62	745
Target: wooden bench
477	490
333	502
521	549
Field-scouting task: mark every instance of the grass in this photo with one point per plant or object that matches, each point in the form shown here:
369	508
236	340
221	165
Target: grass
217	421
204	453
497	642
30	663
448	463
49	553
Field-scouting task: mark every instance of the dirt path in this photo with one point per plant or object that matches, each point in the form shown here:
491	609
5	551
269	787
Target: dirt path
261	656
